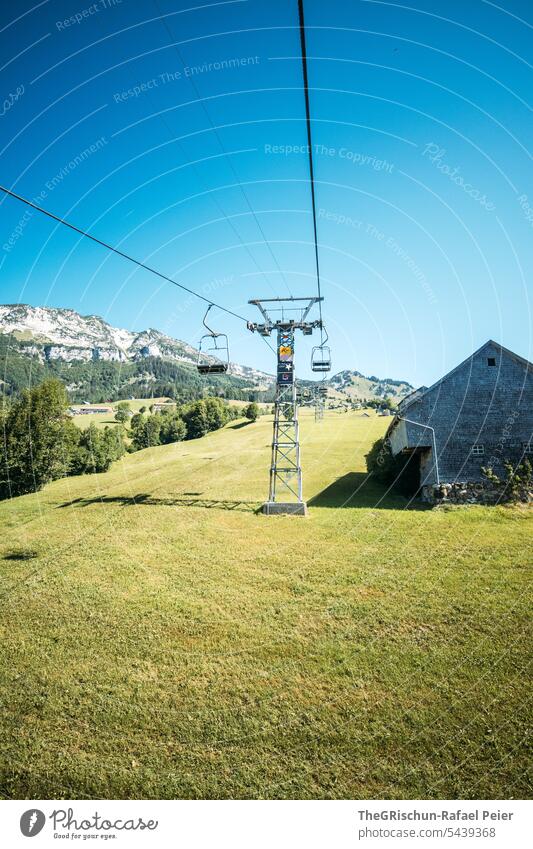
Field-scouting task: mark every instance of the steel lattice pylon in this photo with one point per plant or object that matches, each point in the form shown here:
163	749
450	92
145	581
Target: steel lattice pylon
285	315
285	468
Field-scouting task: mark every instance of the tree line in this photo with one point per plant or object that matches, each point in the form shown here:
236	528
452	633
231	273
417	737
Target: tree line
187	421
99	380
40	442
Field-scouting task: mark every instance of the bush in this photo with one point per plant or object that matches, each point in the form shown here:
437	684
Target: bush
216	412
123	412
401	472
252	412
136	419
233	413
190	421
96	450
38	439
173	429
516	483
196	421
380	462
145	432
204	416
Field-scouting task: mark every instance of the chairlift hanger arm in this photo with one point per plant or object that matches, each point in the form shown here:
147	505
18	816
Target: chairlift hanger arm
211	332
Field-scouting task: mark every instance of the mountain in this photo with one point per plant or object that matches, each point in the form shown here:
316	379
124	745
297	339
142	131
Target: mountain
355	386
97	361
62	334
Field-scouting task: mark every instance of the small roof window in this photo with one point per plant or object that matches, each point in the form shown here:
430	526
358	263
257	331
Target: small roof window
491	361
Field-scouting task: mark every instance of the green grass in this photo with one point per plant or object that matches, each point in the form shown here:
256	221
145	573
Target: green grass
101	420
159	639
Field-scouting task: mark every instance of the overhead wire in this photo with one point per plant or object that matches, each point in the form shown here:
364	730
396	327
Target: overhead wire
310	152
165	277
212	197
222	147
209	194
117	251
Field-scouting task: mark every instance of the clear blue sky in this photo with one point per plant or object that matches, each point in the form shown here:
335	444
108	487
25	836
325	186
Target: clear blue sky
421	119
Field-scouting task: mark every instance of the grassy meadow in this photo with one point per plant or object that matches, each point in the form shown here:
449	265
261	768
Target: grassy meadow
102	420
160	639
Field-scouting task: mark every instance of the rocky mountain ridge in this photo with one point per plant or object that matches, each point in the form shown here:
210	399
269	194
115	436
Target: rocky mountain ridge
51	333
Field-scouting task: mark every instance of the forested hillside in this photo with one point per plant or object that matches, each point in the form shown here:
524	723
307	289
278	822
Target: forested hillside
101	380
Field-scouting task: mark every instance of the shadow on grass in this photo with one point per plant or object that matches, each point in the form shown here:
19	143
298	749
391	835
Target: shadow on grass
144	498
358	489
239	425
22	554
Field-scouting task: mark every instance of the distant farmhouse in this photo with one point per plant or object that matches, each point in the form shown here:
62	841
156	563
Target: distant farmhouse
163	406
480	414
90	409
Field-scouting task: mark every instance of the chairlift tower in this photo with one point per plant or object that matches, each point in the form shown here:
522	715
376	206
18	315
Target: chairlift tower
285	316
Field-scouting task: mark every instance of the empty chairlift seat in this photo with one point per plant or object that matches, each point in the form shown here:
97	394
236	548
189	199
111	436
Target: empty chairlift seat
321	358
212	368
213	351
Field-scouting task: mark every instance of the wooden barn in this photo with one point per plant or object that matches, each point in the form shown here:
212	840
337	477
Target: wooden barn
479	414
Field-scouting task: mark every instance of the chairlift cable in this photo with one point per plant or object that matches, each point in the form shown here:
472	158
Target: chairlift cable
201	103
212	196
310	150
119	252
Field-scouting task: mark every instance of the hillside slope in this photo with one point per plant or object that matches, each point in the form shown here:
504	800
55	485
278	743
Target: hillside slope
159	639
356	386
97	361
55	334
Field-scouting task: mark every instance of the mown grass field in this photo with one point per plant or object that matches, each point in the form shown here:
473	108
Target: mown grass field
101	420
159	639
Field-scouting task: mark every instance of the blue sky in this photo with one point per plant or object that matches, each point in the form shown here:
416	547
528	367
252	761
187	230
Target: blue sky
421	123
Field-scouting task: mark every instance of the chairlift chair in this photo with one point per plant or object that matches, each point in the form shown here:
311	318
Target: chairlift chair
212	344
321	356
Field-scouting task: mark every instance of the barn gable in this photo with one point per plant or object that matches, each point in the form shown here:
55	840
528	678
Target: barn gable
479	414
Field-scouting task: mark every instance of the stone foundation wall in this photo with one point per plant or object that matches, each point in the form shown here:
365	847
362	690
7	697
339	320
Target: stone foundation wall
470	492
